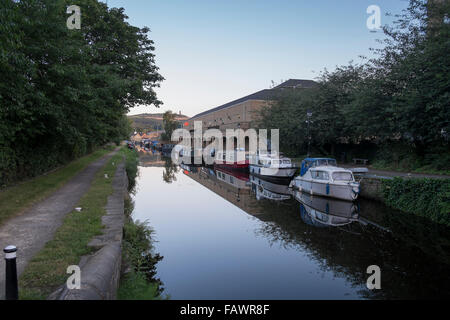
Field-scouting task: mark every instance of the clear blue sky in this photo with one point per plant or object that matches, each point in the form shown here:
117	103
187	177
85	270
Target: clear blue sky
212	52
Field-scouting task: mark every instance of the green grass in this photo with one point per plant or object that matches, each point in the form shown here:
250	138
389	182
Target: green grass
16	199
47	270
134	286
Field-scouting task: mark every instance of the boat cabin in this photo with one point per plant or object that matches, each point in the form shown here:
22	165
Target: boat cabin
325	174
316	162
274	162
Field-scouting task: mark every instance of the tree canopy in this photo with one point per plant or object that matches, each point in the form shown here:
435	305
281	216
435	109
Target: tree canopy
63	92
401	96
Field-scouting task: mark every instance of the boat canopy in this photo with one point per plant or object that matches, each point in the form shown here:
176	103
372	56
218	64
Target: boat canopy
315	162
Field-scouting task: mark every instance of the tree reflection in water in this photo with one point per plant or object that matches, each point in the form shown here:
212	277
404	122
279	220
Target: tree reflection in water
170	171
411	267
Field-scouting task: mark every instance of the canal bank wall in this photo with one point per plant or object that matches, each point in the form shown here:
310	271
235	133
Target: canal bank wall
101	271
372	189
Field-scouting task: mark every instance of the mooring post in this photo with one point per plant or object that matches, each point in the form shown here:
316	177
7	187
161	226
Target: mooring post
11	290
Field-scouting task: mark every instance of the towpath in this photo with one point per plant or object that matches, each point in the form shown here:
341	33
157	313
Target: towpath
386	173
30	231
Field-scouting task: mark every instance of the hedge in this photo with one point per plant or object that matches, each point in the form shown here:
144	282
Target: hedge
424	197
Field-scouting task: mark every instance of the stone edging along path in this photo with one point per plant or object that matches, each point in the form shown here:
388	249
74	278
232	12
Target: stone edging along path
100	272
30	231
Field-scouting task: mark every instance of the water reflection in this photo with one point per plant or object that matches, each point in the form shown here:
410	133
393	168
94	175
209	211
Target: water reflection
337	237
326	212
170	170
271	190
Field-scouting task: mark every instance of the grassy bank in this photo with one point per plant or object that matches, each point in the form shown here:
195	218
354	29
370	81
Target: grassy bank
139	282
16	199
47	270
426	169
426	197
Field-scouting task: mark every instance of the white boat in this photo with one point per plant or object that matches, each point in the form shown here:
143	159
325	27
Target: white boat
271	165
322	177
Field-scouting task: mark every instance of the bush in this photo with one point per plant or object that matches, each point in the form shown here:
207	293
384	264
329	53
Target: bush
134	286
139	252
131	166
424	197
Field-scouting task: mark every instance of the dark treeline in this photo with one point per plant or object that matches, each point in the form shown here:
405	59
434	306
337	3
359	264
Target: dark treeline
393	109
63	92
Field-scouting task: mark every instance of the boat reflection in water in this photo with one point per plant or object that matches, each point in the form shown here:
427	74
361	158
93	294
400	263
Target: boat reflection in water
187	168
235	178
271	190
326	212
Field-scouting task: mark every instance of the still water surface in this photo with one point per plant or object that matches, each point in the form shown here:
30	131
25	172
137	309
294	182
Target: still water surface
228	235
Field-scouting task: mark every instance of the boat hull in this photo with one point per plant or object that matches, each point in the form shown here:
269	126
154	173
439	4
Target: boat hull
232	166
348	192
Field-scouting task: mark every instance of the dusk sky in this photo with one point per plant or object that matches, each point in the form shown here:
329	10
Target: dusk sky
212	52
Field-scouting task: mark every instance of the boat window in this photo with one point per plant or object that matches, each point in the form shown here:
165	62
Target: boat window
320	175
322	162
287	161
342	176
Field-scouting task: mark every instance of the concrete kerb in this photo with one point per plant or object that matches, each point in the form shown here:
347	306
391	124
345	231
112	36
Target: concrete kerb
100	272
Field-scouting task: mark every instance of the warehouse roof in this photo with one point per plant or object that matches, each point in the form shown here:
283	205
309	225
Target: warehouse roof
265	94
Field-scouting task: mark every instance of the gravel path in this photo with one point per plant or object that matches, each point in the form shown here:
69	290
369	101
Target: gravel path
385	173
30	231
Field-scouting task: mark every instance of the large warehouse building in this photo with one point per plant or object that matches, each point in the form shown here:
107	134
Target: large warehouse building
241	113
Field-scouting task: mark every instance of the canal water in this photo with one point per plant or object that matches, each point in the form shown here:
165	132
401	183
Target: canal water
228	235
